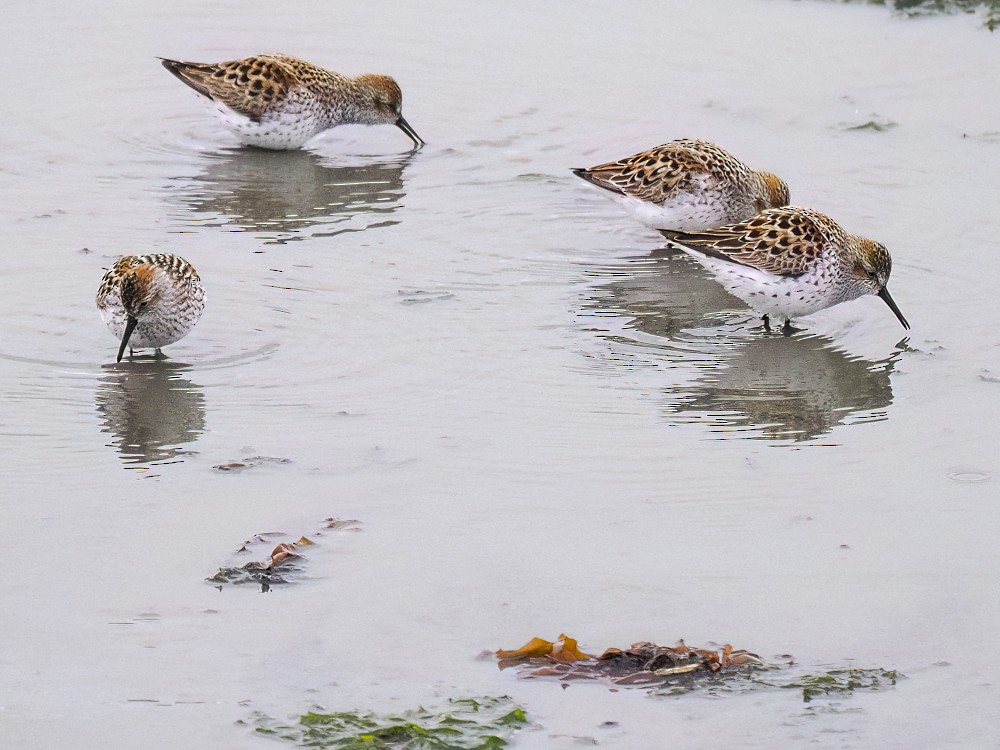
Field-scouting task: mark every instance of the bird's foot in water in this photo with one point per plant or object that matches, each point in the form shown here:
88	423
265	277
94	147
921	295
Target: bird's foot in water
787	329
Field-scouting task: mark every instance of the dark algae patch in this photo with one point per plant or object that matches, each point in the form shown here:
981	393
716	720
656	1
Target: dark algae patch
466	724
838	682
283	565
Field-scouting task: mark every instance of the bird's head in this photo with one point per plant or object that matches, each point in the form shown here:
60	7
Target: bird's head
872	267
386	100
140	290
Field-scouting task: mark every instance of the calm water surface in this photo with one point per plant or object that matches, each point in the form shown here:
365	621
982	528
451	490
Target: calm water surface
544	420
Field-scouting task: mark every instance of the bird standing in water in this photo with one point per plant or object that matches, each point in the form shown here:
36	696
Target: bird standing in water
787	262
688	185
149	301
279	102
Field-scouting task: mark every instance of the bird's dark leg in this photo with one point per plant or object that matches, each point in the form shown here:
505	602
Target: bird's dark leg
159	353
767	324
788	329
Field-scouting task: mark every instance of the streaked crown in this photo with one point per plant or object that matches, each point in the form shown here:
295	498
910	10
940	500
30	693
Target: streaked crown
873	263
385	94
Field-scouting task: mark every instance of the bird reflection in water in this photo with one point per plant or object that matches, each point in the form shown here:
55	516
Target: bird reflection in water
293	195
785	388
739	382
150	409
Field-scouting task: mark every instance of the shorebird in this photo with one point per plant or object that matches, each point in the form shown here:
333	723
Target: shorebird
790	261
279	102
149	301
687	186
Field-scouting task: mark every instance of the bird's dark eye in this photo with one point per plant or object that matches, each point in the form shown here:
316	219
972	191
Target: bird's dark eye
871	274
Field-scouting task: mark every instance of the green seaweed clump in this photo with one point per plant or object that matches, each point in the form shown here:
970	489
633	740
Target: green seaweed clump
841	682
927	7
921	7
468	724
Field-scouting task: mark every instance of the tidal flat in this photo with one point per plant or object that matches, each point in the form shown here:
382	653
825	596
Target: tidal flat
541	420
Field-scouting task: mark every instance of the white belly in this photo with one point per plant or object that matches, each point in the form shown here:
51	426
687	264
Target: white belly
686	213
279	132
778	297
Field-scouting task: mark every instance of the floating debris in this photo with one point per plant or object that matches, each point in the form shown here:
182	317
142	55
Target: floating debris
675	670
418	296
470	723
249	463
878	125
282	566
562	649
642	663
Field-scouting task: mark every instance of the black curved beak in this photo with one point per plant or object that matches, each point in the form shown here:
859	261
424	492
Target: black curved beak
129	327
884	294
405	127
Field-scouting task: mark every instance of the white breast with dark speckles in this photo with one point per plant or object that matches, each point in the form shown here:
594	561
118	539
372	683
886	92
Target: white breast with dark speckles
179	305
298	118
788	297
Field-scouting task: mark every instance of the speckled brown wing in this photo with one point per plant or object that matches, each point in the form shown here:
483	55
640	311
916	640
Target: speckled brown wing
658	174
782	241
250	86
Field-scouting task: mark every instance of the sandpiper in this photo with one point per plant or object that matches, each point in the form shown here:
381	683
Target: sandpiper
787	262
150	301
279	102
688	185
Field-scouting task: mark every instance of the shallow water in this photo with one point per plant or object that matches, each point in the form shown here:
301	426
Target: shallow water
543	420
